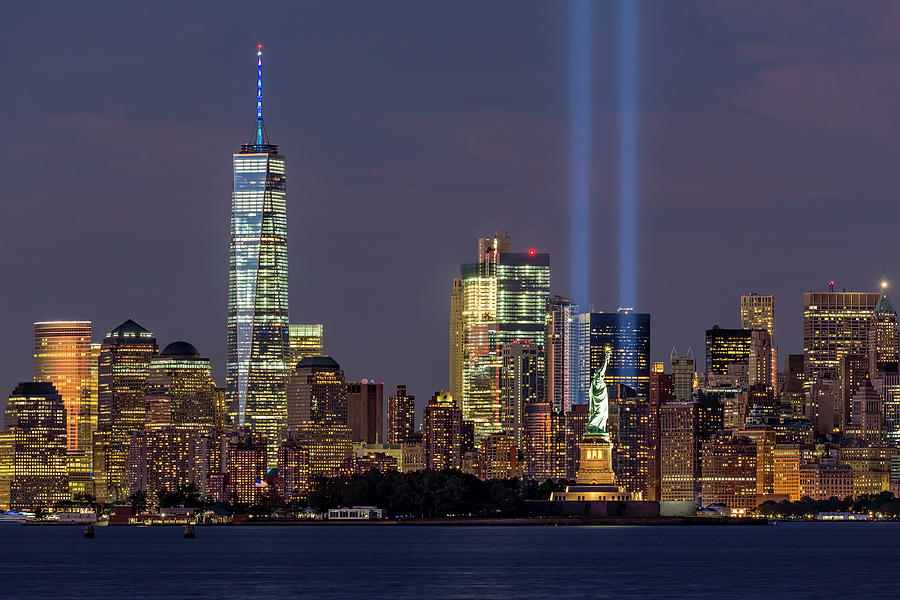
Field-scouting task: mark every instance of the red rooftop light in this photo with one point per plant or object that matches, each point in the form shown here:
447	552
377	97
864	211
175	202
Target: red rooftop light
531	252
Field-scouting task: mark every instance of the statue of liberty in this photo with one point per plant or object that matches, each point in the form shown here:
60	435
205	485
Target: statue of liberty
599	401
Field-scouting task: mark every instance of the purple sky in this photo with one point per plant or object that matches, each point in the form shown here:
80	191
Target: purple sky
768	153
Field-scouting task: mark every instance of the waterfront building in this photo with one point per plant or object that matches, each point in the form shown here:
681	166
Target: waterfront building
764	438
728	473
365	411
628	334
401	416
786	462
443	433
834	324
521	383
871	467
630	431
497	300
821	481
64	357
124	364
329	445
305	339
164	459
498	457
258	335
560	351
316	392
181	391
684	372
33	466
245	463
725	347
293	470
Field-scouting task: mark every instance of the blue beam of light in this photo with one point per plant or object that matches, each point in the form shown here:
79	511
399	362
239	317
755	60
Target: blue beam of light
628	154
580	151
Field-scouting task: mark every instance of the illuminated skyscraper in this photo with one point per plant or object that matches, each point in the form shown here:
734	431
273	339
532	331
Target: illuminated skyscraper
500	299
258	325
33	448
442	430
316	393
521	384
726	347
834	324
758	312
124	365
628	334
62	356
401	417
181	384
559	353
305	340
884	345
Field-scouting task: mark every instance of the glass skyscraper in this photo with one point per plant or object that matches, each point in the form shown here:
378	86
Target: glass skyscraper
258	326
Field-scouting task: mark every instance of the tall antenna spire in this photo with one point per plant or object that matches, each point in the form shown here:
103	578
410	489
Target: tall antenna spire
259	119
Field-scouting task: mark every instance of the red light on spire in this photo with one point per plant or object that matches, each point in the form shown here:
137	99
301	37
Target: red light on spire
531	252
259	46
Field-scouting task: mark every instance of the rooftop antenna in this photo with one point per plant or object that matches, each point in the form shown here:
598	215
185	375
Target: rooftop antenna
259	119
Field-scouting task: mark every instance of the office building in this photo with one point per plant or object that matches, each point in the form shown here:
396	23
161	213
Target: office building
33	470
328	443
521	383
305	339
245	466
124	365
728	473
401	416
725	347
684	372
164	460
498	457
560	351
443	433
835	324
293	470
661	391
867	415
679	455
575	422
630	431
258	335
759	362
628	334
884	342
181	392
316	392
758	312
499	299
853	370
544	442
365	411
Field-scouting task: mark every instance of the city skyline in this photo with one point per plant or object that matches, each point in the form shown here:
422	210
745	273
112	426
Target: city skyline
151	240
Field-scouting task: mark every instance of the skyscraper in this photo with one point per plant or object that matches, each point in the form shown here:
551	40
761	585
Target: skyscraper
834	324
628	334
365	411
401	416
124	364
306	339
884	341
758	312
181	381
258	326
442	429
33	448
683	370
62	356
559	353
316	393
521	384
726	347
499	299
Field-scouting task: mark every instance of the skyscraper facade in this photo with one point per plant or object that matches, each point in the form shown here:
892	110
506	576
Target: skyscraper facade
559	352
884	340
365	411
499	299
834	323
628	334
725	347
442	429
316	393
401	416
758	312
180	381
684	369
124	364
258	333
521	384
305	339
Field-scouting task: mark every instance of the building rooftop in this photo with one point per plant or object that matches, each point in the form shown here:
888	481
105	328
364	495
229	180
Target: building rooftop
129	329
319	361
180	349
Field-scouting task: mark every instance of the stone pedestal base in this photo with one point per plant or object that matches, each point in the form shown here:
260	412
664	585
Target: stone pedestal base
595	480
595	464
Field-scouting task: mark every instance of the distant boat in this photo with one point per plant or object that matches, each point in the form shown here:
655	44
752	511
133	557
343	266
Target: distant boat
15	517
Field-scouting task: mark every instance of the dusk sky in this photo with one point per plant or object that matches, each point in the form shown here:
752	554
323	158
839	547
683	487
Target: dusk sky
768	157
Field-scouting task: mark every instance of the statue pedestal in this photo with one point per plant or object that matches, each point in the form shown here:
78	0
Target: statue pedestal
595	462
595	480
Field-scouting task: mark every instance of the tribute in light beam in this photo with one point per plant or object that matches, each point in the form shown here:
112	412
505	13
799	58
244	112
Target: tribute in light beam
628	154
580	150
